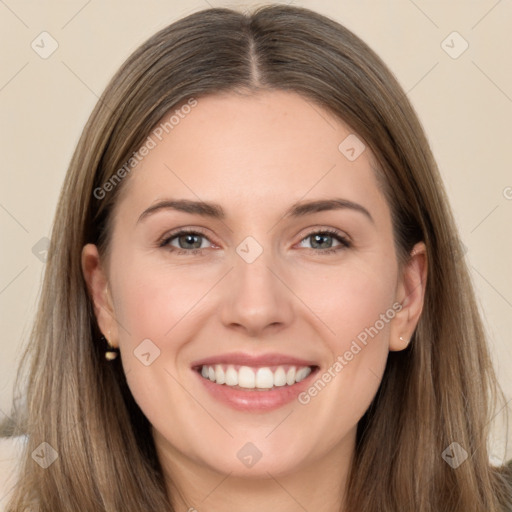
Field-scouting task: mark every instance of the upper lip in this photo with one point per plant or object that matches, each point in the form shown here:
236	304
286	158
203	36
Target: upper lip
240	358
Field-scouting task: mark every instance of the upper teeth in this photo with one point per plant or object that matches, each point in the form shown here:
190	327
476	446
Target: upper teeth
262	377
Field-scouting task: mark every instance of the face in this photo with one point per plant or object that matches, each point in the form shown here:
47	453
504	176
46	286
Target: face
303	302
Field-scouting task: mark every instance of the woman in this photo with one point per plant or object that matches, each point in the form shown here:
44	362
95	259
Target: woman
316	347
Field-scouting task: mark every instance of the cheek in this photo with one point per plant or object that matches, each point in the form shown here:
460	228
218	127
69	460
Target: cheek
152	299
157	307
350	298
357	307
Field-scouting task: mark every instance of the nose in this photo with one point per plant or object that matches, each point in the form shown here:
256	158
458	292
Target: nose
257	299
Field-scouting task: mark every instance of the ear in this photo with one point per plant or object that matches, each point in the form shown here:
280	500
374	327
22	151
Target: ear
97	285
411	295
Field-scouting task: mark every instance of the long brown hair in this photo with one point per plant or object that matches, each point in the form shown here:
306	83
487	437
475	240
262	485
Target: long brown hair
440	390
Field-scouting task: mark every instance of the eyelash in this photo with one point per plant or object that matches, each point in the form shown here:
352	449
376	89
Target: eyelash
164	243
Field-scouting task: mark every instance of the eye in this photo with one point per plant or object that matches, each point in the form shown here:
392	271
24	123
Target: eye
187	241
323	240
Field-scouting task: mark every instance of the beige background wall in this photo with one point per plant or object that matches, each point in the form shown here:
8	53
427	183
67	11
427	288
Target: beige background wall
465	104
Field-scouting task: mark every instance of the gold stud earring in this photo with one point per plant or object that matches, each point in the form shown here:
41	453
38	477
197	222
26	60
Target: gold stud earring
112	353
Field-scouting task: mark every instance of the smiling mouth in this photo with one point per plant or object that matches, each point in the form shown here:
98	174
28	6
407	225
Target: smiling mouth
251	378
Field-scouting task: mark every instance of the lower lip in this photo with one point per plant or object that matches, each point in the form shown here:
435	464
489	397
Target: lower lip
254	399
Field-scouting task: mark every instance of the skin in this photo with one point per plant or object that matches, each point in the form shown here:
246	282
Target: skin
255	155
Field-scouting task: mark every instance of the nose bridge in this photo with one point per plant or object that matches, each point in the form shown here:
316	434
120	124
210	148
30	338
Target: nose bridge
256	296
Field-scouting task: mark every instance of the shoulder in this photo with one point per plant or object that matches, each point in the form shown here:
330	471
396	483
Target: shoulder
11	449
506	472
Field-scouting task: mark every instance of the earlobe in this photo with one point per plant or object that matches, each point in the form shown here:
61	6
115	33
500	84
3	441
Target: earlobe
411	295
97	285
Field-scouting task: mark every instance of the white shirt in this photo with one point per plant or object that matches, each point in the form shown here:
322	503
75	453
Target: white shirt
10	454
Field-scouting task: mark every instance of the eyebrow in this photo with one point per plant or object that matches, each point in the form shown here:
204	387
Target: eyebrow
215	210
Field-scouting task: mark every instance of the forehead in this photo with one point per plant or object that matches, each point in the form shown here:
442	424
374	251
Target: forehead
253	151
